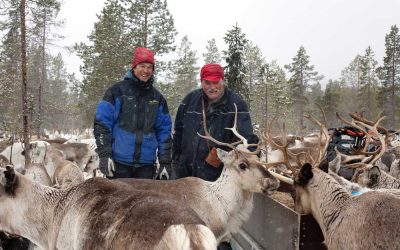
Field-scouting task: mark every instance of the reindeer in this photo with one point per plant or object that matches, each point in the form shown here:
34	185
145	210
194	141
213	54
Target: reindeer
97	214
80	153
4	161
352	187
225	204
62	173
368	174
15	152
367	221
372	177
395	169
37	172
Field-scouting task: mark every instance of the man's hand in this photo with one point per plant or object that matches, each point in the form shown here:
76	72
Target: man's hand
165	172
106	166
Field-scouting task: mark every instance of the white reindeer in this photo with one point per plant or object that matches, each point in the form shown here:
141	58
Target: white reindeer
225	204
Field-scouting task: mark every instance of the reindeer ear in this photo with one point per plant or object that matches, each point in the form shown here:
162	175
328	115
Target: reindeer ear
373	175
10	180
334	165
324	165
304	175
222	154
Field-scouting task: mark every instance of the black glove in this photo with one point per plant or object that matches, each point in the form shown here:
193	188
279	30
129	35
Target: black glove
165	172
106	166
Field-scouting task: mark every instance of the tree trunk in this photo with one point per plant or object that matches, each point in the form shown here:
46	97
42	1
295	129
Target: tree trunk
146	16
301	101
393	94
44	78
24	83
266	96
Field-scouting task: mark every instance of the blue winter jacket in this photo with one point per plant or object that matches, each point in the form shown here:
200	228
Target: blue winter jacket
133	124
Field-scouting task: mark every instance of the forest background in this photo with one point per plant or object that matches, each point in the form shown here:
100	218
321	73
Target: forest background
60	100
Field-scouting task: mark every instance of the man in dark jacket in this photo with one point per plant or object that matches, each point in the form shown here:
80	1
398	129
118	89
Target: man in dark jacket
133	125
189	150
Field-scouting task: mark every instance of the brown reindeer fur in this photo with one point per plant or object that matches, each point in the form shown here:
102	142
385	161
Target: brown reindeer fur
63	173
365	222
79	153
373	177
37	172
56	140
67	174
96	214
224	204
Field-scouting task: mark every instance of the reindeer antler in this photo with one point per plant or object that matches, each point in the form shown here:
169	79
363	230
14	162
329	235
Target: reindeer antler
283	148
242	140
321	151
364	156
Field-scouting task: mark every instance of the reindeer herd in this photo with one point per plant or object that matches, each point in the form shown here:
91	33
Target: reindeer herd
57	202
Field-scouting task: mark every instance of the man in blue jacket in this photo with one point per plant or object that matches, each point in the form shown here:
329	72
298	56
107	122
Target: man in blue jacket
191	154
132	126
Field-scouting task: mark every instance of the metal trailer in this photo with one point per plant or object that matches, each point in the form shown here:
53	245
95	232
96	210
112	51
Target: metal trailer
277	227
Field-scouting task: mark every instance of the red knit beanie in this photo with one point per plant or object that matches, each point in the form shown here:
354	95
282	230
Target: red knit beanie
142	55
212	73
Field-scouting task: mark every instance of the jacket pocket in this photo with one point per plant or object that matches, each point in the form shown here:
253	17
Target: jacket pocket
151	115
128	115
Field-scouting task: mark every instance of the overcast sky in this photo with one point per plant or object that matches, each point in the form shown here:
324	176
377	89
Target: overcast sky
333	32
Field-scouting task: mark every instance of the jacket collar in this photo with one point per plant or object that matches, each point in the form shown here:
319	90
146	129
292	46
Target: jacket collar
221	103
144	85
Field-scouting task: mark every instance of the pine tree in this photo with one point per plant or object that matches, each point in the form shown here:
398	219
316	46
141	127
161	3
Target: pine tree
10	57
57	105
185	68
44	20
253	61
235	70
150	25
331	101
350	84
212	55
389	75
24	83
302	77
122	26
271	93
106	59
367	93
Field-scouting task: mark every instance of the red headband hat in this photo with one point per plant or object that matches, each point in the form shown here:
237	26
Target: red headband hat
141	55
212	72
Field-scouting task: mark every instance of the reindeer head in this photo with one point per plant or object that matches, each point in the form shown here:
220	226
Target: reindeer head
8	181
253	176
37	151
367	176
300	194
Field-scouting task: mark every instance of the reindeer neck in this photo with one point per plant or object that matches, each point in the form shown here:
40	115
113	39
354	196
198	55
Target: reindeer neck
231	198
228	192
227	184
33	206
387	181
328	198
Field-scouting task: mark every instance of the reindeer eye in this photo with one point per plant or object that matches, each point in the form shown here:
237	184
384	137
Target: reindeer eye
243	166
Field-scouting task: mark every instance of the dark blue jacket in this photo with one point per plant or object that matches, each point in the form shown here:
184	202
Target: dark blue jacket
133	122
189	150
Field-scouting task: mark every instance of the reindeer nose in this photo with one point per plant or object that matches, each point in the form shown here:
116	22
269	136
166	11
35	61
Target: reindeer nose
270	185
